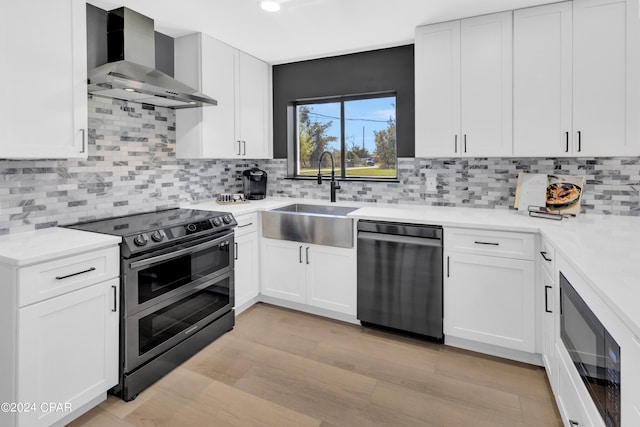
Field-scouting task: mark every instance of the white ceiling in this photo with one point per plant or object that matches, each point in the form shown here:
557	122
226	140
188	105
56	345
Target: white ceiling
305	29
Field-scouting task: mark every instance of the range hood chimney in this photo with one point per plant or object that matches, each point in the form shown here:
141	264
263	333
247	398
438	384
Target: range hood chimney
130	74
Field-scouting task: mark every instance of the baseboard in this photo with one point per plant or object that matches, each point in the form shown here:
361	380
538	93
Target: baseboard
309	309
492	350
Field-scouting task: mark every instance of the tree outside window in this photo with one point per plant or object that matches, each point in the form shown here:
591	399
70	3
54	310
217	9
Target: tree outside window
359	132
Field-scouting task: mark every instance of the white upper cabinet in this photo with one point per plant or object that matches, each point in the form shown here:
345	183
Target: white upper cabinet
605	75
542	81
437	85
238	127
44	71
486	85
464	87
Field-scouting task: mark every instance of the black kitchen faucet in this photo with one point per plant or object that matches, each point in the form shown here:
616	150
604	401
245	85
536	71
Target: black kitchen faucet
334	184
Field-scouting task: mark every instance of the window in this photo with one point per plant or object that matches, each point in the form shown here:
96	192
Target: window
359	132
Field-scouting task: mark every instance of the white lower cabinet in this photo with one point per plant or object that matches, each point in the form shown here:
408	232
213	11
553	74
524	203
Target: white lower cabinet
247	265
490	300
67	352
60	332
570	405
630	381
549	289
489	287
315	275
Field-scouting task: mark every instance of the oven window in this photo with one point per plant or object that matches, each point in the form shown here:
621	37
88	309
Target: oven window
163	277
162	325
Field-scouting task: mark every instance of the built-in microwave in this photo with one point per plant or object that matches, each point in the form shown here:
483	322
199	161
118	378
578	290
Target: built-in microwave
594	352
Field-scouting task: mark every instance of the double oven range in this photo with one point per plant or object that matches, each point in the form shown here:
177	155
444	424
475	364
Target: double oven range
177	287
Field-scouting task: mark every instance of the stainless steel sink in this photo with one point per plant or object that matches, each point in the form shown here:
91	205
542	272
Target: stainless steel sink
317	224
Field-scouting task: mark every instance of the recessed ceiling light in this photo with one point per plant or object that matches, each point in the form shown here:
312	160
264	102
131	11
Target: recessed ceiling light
269	5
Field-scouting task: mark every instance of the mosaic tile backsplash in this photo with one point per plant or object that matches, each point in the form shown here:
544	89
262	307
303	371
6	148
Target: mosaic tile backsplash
132	168
612	186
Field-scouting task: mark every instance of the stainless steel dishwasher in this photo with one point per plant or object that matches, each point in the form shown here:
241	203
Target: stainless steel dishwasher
400	277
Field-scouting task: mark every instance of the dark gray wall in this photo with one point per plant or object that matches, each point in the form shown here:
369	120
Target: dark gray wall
164	53
384	70
96	36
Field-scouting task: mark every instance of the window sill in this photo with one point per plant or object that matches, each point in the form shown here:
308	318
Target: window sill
349	179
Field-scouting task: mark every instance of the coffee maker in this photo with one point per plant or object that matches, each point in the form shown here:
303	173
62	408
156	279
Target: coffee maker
254	182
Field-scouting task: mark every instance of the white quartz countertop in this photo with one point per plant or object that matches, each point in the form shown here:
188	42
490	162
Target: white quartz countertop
602	249
32	247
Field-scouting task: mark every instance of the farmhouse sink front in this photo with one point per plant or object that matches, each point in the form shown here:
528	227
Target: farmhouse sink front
317	224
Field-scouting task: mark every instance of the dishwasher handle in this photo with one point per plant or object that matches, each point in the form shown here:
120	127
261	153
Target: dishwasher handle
393	238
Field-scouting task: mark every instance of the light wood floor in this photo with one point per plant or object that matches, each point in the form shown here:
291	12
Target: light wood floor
284	368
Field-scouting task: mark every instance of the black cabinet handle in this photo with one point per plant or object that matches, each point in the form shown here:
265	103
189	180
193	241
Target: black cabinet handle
84	140
75	274
235	249
115	298
573	423
455	143
300	252
579	141
307	254
566	135
465	142
486	243
544	256
245	225
546	299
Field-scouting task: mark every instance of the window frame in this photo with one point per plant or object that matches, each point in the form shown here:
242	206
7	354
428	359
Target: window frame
340	99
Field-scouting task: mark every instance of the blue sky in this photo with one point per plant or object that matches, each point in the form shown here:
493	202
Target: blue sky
376	113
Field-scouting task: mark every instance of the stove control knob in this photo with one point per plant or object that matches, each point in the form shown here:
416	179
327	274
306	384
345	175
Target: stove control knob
191	228
217	222
226	219
157	236
140	240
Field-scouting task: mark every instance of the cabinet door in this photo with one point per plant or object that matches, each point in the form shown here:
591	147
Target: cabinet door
331	278
630	380
283	270
549	327
68	350
437	81
252	128
490	300
247	284
486	85
570	405
600	78
54	97
542	81
211	67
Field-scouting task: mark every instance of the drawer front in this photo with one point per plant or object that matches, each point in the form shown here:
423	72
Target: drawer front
46	280
547	256
492	243
247	223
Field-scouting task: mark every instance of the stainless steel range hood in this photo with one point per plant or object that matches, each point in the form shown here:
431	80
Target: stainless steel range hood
130	73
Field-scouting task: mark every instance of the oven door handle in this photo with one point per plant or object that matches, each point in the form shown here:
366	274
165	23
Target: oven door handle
180	252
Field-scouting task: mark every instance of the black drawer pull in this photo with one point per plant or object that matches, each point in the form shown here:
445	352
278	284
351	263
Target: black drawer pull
487	243
245	225
75	274
544	256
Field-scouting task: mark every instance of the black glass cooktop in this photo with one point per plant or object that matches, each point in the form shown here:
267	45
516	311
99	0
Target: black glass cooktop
145	222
